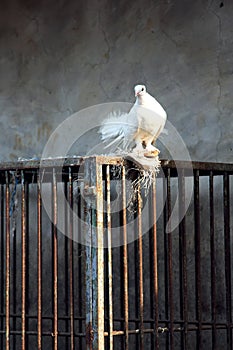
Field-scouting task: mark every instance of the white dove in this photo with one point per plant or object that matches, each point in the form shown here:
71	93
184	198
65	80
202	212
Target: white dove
139	128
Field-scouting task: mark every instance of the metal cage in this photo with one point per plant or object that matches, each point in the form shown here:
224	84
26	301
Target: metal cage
91	261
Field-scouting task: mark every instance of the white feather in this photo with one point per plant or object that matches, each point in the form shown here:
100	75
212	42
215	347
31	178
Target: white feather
118	129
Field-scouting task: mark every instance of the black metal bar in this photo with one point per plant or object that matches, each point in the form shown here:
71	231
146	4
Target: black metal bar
155	268
7	264
109	262
140	269
23	258
125	264
167	233
2	262
28	280
55	260
39	264
213	260
198	257
170	267
136	280
71	260
192	327
14	178
83	214
66	256
183	259
178	329
227	245
204	168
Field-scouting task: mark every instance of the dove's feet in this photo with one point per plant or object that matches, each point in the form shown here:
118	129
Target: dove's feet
151	151
151	148
153	154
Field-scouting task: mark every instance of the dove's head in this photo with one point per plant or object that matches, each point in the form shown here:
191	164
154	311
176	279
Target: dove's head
140	90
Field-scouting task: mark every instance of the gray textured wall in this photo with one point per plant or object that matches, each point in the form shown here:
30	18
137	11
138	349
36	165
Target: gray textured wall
57	57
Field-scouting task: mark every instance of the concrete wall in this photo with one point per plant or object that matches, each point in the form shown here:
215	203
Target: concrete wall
57	57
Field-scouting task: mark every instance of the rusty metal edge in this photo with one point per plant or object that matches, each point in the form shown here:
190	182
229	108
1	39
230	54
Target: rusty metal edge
58	162
115	159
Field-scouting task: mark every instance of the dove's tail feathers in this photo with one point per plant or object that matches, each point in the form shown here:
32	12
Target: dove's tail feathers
114	129
114	142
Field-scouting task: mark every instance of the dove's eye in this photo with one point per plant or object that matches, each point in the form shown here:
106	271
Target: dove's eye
142	89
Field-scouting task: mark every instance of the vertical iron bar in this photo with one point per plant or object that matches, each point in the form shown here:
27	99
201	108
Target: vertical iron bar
39	265
155	266
71	263
183	260
213	260
7	290
2	249
197	257
140	267
14	252
170	269
125	263
227	246
87	227
82	214
93	190
166	234
23	252
100	253
67	257
89	299
136	280
96	313
66	260
109	277
55	262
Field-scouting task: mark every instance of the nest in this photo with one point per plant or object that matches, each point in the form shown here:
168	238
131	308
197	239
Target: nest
142	176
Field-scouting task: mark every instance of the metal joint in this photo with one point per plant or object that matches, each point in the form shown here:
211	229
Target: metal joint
89	334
